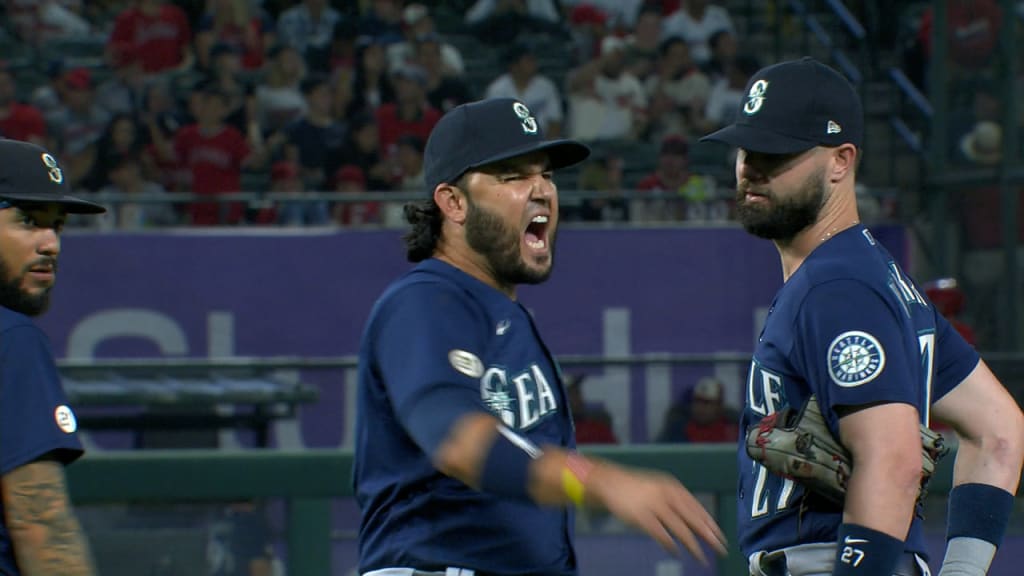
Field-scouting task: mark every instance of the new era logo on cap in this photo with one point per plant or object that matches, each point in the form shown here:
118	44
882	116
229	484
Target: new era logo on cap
793	106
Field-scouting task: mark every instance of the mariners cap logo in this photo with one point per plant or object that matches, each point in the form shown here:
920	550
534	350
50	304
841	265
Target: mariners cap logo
855	358
527	120
56	174
755	98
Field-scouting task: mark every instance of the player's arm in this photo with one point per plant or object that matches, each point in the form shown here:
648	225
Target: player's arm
485	455
990	427
885	479
46	537
855	356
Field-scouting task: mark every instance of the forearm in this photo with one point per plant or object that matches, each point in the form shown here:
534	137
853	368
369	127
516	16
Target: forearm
46	537
53	546
468	453
996	462
882	497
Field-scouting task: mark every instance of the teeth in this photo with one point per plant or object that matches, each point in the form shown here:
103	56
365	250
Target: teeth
537	244
540	219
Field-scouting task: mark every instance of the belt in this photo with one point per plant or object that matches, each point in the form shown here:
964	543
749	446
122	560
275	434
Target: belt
774	564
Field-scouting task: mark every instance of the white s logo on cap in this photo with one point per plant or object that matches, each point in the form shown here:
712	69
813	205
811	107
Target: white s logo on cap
56	174
528	121
755	98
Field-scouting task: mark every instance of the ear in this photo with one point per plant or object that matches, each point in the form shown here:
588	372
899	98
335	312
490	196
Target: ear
844	162
452	201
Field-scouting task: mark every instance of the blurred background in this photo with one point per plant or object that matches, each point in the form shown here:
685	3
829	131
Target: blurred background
255	155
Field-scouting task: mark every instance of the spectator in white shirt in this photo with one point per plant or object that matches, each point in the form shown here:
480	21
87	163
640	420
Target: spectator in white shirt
727	92
522	82
695	22
419	24
606	102
678	92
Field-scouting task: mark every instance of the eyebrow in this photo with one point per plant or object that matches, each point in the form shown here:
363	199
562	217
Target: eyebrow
517	166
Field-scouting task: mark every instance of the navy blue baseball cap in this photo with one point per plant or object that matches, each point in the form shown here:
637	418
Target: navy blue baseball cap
30	175
794	106
479	133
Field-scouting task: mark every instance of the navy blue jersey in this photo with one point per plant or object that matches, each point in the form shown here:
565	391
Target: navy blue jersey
440	344
35	419
850	327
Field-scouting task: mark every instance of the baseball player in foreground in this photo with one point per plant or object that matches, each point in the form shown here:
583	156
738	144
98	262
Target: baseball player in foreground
465	460
39	534
851	347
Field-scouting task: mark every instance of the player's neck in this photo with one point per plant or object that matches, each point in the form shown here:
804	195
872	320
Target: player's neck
475	266
830	222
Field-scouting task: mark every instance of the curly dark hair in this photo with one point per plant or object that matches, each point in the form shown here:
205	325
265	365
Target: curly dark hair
425	219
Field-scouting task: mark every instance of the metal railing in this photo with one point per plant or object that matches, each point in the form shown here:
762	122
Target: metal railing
308	480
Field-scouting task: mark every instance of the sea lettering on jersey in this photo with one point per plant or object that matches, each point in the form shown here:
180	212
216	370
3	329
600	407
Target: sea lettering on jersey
766	395
521	399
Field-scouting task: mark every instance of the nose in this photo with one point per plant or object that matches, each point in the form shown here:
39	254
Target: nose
543	188
49	243
747	170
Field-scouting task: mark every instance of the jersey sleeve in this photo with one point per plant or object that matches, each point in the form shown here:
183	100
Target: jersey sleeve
849	343
427	352
954	358
35	418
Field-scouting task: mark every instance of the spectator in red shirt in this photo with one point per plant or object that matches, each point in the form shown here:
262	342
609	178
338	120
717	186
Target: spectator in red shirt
949	300
410	114
593	425
211	155
158	32
18	121
704	418
973	30
350	180
687	196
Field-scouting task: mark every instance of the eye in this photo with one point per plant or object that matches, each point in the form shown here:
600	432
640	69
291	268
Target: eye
548	174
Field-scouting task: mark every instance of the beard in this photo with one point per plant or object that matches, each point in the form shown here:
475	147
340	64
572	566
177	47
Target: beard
783	218
13	297
499	244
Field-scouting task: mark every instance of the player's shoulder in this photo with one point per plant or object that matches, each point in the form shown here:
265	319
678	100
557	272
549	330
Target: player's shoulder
18	331
12	320
854	263
434	286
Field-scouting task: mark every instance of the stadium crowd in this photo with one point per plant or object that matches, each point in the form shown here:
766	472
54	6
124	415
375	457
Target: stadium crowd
213	98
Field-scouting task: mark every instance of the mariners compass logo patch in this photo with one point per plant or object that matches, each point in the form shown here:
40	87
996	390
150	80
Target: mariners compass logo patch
855	358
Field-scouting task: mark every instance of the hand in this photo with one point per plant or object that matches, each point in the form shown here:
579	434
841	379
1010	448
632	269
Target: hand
657	504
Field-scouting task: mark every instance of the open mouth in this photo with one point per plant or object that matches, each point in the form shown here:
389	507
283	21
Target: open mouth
537	232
